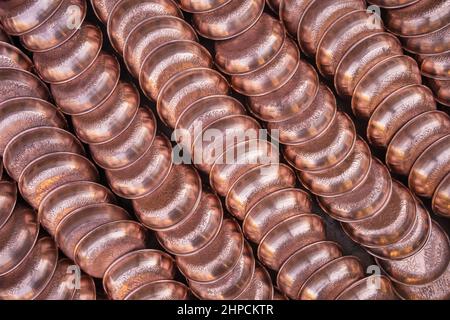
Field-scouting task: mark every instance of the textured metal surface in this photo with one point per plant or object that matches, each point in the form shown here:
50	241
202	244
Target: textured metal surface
161	51
56	178
345	39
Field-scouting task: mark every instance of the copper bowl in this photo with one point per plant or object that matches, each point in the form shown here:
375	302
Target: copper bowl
381	80
253	49
18	237
389	225
90	89
302	264
146	174
73	227
149	35
20	83
288	236
344	177
237	160
160	290
109	119
19	114
50	171
229	20
371	288
218	258
426	265
97	250
186	87
407	22
260	286
134	269
11	57
253	185
293	98
126	14
63	200
338	140
8	198
169	59
116	153
354	63
197	231
34	143
273	209
173	202
23	16
413	138
344	271
58	28
396	110
29	279
66	62
233	284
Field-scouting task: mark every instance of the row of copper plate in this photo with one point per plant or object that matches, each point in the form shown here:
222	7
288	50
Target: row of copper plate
30	267
210	251
59	183
424	30
321	142
122	137
176	72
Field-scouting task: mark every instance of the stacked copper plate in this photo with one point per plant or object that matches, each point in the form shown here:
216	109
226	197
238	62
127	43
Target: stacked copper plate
175	72
123	140
30	267
424	30
59	182
321	142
